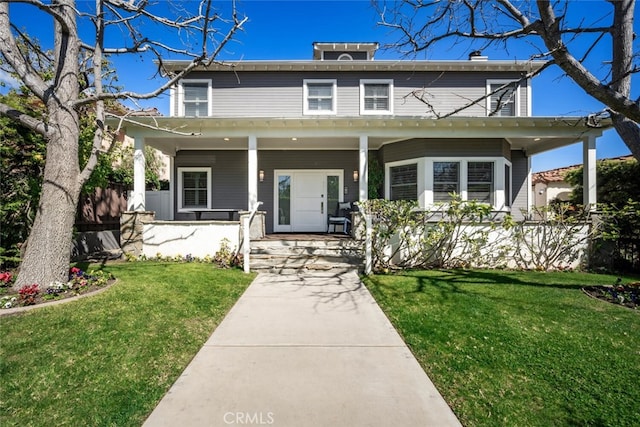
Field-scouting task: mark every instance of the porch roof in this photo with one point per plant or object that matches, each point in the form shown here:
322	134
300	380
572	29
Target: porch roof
531	134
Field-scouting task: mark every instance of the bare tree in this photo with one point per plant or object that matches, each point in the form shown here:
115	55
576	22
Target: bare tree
423	24
79	80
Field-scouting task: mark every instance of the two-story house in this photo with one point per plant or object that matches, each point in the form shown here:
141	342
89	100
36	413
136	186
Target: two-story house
298	135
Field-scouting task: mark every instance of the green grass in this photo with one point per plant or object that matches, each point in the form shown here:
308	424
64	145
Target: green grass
519	348
107	360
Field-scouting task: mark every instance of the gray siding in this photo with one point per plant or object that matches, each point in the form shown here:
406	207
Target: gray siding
228	178
520	189
280	94
415	148
276	159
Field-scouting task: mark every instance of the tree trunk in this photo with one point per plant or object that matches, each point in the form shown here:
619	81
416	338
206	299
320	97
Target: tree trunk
629	132
48	252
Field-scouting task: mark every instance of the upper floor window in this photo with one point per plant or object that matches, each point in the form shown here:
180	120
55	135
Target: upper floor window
403	182
194	100
505	100
376	96
320	96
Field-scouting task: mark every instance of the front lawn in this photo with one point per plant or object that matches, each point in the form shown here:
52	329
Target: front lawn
519	348
109	359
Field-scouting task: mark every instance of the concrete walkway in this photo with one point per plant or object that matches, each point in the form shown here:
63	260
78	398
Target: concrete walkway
304	350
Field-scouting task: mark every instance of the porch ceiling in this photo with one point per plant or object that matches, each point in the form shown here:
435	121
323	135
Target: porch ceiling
531	134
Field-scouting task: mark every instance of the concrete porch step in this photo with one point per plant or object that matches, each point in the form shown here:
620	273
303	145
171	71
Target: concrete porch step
296	255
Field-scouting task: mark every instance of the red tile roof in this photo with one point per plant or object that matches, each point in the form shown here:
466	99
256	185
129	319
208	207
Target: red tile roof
557	175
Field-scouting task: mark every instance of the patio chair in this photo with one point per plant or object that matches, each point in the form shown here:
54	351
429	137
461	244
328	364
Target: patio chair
342	218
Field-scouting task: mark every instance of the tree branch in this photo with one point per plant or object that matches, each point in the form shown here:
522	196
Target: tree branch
26	120
551	35
11	53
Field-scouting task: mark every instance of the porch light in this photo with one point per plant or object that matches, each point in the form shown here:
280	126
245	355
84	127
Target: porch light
355	176
261	175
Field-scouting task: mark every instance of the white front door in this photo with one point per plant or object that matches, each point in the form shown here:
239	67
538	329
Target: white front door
309	207
302	197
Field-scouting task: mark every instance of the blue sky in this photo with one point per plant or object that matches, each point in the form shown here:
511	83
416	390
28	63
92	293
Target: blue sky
287	29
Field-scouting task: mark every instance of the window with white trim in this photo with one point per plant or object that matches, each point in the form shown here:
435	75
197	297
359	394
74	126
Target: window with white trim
485	179
480	182
194	100
376	96
403	182
194	188
320	96
446	180
505	100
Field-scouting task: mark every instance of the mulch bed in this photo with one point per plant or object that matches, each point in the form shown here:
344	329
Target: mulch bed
625	295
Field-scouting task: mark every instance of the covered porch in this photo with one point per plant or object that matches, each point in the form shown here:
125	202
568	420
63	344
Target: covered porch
291	173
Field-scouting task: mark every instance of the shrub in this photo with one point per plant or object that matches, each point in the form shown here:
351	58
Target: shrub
453	234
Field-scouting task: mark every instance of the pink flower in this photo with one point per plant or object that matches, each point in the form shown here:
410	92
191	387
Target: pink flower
5	277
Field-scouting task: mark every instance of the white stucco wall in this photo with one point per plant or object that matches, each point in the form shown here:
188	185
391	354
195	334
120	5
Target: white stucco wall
195	238
501	250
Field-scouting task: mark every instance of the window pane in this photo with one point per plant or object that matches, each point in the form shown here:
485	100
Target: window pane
196	99
320	104
480	181
323	90
194	189
195	109
503	101
320	96
333	194
376	97
376	90
404	182
195	91
446	180
284	199
507	185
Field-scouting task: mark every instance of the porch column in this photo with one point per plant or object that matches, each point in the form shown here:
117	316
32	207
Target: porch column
363	188
172	188
589	195
137	198
253	172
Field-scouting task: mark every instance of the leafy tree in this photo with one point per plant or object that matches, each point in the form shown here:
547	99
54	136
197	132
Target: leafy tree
617	182
619	210
22	154
22	159
78	80
550	34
